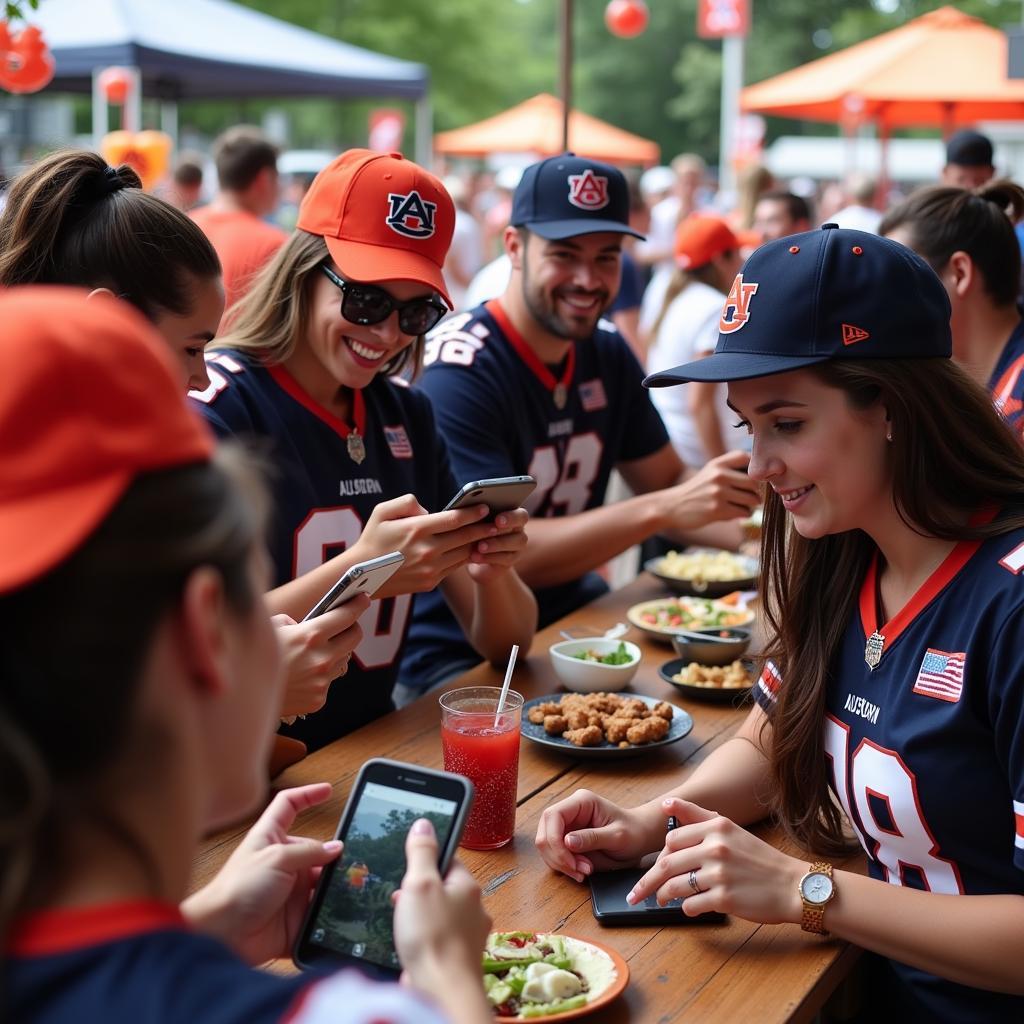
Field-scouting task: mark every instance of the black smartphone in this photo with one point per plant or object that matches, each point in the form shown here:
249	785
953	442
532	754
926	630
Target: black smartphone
608	891
362	578
349	921
499	494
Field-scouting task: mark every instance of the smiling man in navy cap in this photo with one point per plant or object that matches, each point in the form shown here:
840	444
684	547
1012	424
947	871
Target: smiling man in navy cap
538	382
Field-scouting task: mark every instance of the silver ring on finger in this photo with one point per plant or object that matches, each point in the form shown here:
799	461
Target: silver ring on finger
697	890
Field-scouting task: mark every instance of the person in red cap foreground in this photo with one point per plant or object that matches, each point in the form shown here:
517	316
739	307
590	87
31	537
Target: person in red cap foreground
699	423
891	700
361	470
141	684
72	219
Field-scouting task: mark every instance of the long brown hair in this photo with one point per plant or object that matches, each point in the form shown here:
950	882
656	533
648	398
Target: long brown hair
939	476
75	645
272	316
941	220
72	219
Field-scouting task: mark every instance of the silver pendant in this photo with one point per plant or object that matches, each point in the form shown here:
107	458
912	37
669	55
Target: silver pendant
356	448
560	395
873	650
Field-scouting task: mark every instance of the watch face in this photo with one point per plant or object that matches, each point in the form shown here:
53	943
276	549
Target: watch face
816	887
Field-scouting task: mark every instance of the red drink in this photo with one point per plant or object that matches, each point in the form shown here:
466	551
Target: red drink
488	756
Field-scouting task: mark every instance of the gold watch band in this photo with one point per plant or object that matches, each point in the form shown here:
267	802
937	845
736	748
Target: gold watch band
812	919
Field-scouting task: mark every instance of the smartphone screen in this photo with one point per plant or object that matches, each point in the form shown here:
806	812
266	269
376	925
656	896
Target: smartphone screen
353	916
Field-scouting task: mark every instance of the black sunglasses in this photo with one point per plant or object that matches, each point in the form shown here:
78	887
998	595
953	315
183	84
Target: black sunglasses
367	304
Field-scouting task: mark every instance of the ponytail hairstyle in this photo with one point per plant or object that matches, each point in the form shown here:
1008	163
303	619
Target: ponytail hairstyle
76	642
940	220
810	589
72	219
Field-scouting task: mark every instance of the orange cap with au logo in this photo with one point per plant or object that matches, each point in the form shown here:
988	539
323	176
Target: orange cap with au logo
89	400
383	218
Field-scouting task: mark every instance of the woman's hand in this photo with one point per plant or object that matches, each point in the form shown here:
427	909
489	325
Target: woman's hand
256	902
316	653
586	833
441	928
434	544
736	872
493	557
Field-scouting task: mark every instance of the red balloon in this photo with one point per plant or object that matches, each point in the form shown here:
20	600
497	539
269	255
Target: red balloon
26	64
626	18
115	83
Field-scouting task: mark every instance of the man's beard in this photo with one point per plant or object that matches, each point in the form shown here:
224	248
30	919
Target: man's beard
546	316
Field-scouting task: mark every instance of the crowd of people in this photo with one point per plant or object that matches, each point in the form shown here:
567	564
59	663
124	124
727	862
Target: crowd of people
862	380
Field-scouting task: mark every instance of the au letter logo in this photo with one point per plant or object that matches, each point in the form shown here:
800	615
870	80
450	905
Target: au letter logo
738	300
411	215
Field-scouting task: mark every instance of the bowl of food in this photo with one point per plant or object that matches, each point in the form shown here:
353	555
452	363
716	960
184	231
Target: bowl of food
718	684
594	664
706	572
665	617
712	646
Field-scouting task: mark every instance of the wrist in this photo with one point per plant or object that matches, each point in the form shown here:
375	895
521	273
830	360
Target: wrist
206	913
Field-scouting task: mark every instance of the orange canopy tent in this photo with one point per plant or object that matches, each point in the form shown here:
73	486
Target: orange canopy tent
535	126
944	68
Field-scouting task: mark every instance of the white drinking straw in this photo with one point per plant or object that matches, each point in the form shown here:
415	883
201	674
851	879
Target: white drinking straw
504	686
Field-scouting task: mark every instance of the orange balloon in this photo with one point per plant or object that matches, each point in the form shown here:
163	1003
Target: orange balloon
26	64
148	153
626	18
115	83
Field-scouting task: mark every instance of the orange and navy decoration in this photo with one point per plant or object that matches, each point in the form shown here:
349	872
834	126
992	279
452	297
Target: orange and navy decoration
26	64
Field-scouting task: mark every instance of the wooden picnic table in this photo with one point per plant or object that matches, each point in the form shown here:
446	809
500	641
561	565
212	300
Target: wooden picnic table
727	972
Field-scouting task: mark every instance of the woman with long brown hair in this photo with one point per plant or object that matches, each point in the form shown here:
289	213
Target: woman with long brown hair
311	367
968	239
891	700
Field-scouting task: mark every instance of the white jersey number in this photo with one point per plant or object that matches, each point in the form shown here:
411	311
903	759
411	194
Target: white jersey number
384	621
567	486
904	840
218	382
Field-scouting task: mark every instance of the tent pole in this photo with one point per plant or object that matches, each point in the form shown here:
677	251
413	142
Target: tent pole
100	111
169	119
732	85
565	68
424	115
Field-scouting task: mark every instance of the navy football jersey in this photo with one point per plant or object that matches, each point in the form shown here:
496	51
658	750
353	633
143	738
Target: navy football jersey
140	962
926	752
1007	380
323	497
504	413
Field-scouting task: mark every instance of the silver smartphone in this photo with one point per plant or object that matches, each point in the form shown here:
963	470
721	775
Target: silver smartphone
499	494
362	578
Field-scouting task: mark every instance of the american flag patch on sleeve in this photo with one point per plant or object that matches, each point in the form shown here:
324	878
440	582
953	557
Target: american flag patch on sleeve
941	675
398	442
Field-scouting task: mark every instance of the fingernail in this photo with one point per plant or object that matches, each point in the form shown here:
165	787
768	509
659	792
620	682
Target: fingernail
573	842
501	521
667	803
631	898
482	547
332	846
422	827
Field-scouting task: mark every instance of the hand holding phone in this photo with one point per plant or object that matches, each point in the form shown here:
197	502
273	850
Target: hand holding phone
362	578
608	891
499	494
350	918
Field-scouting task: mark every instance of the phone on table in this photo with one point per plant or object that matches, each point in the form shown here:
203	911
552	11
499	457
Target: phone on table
349	921
362	578
608	891
499	494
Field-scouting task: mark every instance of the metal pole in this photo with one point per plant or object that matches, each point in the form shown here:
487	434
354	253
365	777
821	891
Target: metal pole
424	131
732	83
565	68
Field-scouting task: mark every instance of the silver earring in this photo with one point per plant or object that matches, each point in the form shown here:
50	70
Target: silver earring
888	437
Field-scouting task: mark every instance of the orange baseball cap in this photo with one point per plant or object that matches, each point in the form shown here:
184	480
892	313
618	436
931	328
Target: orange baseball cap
89	399
383	218
700	238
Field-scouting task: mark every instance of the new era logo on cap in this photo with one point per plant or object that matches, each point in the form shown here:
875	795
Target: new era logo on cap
411	215
738	301
851	334
588	191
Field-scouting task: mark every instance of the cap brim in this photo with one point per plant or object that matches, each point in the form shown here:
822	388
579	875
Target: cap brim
725	366
370	264
557	230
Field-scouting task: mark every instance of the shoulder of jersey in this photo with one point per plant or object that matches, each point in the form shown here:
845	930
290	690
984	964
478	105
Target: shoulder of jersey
227	366
457	341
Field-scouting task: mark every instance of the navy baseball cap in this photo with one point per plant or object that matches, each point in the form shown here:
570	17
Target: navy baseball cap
567	195
968	148
833	293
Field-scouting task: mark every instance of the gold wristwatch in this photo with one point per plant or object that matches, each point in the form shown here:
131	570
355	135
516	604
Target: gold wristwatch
817	888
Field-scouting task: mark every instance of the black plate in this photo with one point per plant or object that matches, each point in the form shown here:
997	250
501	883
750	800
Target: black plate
709	694
681	724
713	588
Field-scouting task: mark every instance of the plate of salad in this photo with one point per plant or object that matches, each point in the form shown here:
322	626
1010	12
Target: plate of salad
670	615
549	975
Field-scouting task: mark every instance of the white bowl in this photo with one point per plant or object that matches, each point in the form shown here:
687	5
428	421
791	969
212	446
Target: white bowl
593	676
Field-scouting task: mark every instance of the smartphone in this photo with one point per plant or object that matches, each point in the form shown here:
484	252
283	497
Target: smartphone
362	578
608	891
500	494
349	921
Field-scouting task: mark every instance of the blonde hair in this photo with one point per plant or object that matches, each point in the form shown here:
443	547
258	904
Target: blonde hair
274	314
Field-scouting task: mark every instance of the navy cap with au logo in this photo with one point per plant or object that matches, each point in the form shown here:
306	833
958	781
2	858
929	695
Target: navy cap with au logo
569	195
833	293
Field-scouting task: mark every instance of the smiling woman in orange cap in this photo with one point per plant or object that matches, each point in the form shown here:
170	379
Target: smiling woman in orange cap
309	368
140	689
